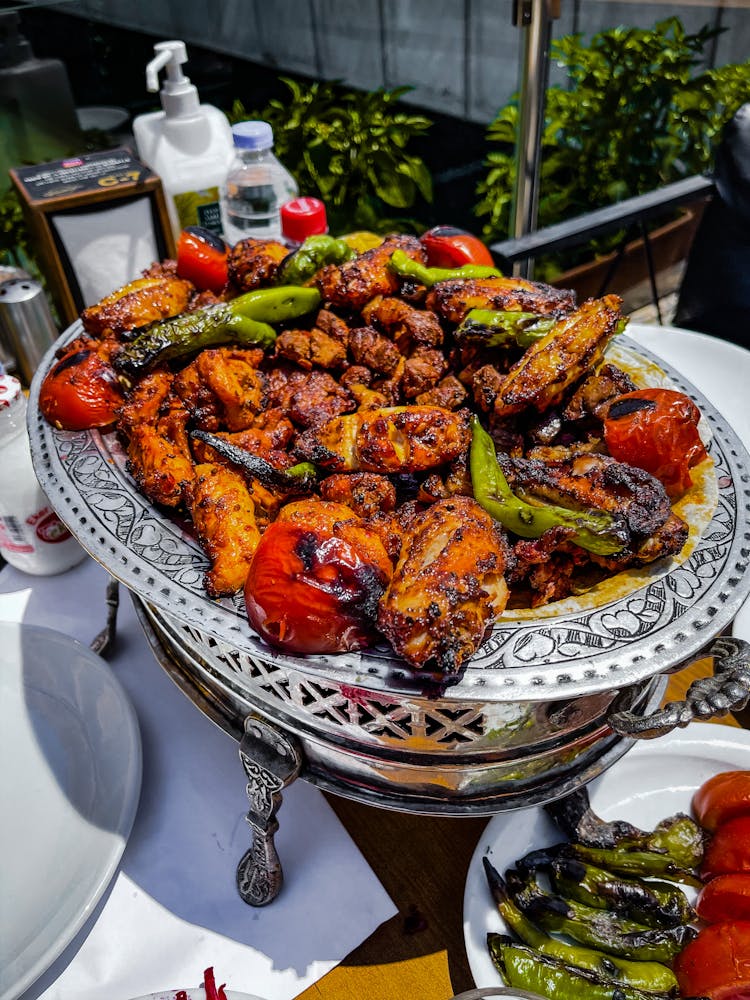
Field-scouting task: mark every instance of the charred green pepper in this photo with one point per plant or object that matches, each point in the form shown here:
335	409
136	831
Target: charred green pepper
491	328
524	968
644	975
596	928
298	478
245	320
314	253
596	531
646	864
405	267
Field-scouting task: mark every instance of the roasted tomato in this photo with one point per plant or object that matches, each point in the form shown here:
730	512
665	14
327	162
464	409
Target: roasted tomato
722	797
726	897
449	247
313	588
656	430
202	258
716	964
728	849
80	391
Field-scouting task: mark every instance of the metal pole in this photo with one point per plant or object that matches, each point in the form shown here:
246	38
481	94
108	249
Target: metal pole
535	18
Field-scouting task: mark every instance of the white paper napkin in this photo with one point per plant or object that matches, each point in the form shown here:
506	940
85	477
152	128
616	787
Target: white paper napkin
173	909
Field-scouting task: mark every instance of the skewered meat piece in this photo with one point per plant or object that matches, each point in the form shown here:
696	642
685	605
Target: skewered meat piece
593	396
318	398
352	284
374	351
311	347
422	371
333	325
224	517
447	588
453	299
365	492
252	262
448	393
393	439
138	303
573	347
405	325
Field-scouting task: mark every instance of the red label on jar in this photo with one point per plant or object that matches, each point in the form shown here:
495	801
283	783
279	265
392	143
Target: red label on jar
50	528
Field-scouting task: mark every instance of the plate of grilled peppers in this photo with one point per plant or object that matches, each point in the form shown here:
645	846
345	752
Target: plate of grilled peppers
593	896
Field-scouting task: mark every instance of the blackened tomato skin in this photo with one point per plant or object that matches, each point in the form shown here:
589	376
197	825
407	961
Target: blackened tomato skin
310	592
656	430
722	797
449	247
81	391
726	897
202	259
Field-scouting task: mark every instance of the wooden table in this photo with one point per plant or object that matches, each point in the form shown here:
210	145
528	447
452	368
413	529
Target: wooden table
422	862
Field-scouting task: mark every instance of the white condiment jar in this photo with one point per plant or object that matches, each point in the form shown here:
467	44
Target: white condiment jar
32	537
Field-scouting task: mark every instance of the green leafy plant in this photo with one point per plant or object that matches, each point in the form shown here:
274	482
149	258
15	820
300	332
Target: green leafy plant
639	113
351	150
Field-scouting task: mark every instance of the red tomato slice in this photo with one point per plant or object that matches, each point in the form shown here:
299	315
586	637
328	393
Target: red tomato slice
656	430
716	964
309	591
722	797
449	247
202	258
728	849
80	391
726	897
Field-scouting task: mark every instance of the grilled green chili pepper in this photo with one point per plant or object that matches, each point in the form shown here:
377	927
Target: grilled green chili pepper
649	902
596	928
597	531
644	975
491	328
646	864
245	320
679	836
298	478
308	258
405	267
524	968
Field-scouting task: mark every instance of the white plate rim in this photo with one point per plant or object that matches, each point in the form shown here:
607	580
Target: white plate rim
48	950
726	745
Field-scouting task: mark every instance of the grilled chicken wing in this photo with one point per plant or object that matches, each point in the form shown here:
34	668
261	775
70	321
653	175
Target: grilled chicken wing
138	303
573	346
224	517
392	439
252	263
453	299
222	385
447	588
352	285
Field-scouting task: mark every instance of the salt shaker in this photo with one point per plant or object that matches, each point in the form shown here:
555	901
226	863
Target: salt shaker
26	325
32	538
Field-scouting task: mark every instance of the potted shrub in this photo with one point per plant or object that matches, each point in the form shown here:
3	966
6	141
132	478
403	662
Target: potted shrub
639	112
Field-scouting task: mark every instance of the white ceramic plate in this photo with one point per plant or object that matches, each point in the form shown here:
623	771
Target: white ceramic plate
70	777
655	780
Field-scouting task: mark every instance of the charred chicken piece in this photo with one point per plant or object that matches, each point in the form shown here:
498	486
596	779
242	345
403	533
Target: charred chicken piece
138	303
422	371
308	348
370	349
366	493
351	285
448	586
549	367
453	299
592	397
253	262
393	439
222	385
667	540
405	325
224	517
319	398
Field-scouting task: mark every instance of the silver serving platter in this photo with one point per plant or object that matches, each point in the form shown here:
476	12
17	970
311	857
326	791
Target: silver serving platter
649	622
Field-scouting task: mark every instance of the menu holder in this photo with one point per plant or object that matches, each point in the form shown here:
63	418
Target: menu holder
96	220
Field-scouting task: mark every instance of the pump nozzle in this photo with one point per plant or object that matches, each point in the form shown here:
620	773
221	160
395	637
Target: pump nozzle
169	54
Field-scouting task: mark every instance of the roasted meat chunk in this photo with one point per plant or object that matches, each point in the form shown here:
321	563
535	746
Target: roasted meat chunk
309	348
138	303
318	398
224	517
453	299
573	347
448	586
254	262
365	492
372	350
159	454
593	396
351	285
222	385
405	325
422	371
393	439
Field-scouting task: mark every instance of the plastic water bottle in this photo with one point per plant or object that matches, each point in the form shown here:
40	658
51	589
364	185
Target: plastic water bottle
256	187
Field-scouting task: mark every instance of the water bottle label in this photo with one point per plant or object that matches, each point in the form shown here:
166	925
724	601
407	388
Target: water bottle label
209	216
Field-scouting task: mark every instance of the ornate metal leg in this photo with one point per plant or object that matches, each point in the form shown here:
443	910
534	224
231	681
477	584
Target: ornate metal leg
271	759
103	642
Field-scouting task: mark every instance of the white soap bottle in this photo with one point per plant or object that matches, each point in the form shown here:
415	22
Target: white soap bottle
188	144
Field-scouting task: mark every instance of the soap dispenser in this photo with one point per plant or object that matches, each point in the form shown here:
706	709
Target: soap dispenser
188	144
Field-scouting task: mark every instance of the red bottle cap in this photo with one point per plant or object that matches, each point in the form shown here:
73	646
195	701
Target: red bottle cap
303	217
